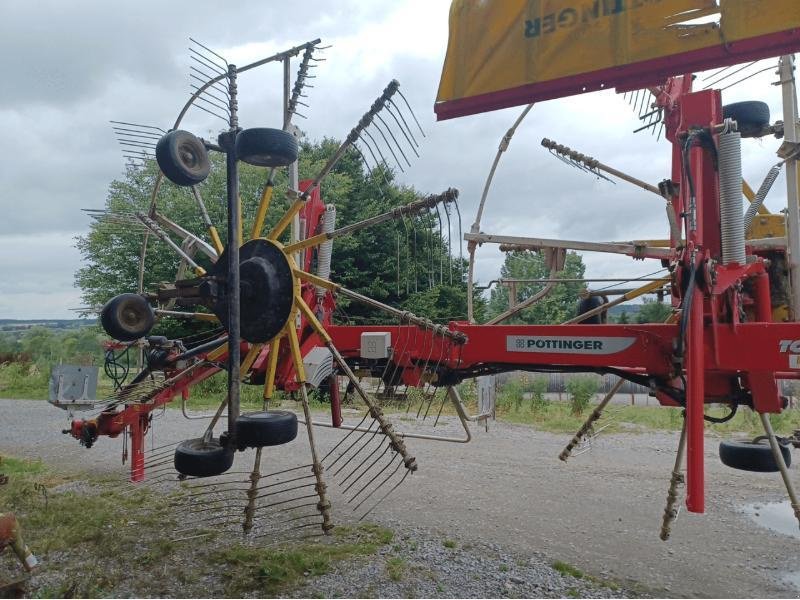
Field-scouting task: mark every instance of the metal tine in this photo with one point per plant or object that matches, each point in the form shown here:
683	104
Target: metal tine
441	408
215	104
441	243
386	141
377	148
449	244
381	484
208	93
358	439
394	139
361	464
357	452
201	59
136	133
271	514
739	70
460	241
412	112
289	500
365	471
210	112
207	49
206	76
645	93
135	144
770	68
340	442
226	514
138	125
374	478
217	86
378	167
386	495
284	491
403	119
263	487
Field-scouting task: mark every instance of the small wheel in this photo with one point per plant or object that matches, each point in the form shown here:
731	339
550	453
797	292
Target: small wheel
752	456
265	147
198	458
265	428
183	158
587	304
752	117
127	317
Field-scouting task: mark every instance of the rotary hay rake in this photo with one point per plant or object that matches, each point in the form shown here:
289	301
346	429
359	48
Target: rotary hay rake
275	301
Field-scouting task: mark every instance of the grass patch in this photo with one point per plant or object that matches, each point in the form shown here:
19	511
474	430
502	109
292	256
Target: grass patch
396	568
273	570
557	417
567	569
449	544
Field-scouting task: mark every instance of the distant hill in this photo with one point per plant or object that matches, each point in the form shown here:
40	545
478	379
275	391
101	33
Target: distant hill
23	324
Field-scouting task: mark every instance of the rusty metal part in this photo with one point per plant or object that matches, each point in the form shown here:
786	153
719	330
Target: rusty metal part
677	479
589	423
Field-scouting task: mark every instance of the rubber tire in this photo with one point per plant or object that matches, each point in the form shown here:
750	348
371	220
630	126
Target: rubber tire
265	428
265	147
183	158
196	458
587	304
751	116
749	456
127	317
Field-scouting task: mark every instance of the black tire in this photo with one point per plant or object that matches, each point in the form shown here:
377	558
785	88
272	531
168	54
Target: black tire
587	304
265	147
752	117
752	456
127	317
197	458
265	428
183	158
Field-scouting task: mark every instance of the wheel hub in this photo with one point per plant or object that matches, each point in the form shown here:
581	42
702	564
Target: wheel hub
267	289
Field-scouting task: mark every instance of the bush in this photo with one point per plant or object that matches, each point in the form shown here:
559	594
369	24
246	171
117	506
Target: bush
538	389
581	390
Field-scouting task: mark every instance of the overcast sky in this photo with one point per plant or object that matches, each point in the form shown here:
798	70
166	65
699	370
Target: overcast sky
70	67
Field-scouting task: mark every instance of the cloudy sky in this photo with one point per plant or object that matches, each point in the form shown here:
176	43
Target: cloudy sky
70	67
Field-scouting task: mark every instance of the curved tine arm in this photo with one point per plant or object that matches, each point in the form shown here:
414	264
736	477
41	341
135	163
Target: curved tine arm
450	195
403	315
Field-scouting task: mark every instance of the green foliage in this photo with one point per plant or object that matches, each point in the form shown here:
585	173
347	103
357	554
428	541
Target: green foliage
402	263
653	311
623	318
581	391
567	569
558	306
396	568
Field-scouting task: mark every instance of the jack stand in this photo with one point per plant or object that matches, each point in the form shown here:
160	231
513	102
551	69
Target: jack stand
776	453
593	418
670	514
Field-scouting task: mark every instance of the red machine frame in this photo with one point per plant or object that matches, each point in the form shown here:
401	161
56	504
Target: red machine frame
725	359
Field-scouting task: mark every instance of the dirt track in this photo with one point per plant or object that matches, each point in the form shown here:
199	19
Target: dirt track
600	512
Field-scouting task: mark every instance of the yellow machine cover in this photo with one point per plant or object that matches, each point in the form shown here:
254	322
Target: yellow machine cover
507	52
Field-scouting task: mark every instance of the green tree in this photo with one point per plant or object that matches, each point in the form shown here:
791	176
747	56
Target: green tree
653	311
376	262
556	307
623	318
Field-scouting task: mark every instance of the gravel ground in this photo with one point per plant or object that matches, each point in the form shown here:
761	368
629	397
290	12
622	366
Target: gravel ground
513	509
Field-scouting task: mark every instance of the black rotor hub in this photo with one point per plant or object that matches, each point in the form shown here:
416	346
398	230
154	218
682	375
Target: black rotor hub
266	288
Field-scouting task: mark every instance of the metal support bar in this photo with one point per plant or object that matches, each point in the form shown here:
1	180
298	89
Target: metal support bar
791	135
631	249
